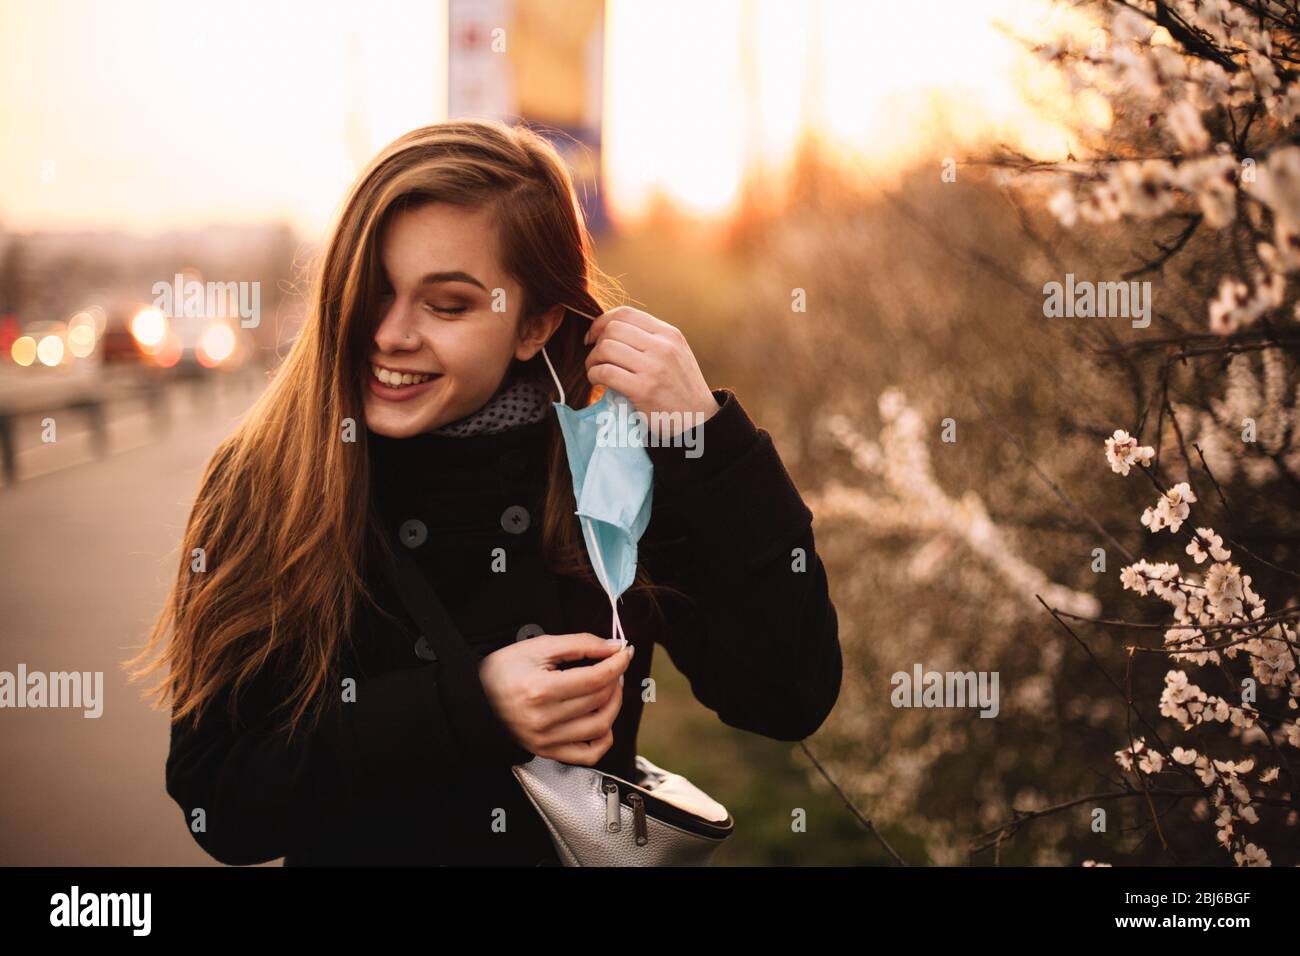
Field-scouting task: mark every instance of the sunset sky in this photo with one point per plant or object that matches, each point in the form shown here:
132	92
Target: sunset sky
150	115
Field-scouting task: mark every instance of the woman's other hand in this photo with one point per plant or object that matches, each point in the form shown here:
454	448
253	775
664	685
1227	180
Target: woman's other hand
566	715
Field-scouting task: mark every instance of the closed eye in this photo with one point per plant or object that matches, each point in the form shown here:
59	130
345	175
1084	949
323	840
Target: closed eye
445	310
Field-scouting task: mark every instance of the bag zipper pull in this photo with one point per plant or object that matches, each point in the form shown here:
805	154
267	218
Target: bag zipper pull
638	816
612	822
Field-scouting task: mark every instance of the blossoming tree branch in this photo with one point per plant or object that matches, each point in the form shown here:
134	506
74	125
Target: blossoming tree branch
1207	97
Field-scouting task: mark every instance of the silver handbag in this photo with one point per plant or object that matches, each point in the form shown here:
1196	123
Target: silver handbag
599	819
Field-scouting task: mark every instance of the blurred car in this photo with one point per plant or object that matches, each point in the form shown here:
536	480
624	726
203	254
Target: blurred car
117	346
191	344
209	343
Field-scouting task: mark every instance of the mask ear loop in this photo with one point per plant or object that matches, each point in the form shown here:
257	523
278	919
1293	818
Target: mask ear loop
579	312
548	358
553	375
615	625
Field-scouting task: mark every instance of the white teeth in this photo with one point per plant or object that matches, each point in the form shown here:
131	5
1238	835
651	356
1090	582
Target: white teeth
397	379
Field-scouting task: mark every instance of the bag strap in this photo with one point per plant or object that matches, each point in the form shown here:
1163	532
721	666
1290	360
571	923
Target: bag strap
427	610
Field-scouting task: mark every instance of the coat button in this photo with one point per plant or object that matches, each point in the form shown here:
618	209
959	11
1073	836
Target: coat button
529	630
413	532
423	650
515	519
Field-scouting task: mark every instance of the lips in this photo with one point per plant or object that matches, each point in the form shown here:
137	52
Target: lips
396	385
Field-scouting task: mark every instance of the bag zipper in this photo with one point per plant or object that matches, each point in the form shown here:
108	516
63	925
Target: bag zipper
612	822
638	818
619	791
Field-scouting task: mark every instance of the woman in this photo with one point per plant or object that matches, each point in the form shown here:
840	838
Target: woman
311	721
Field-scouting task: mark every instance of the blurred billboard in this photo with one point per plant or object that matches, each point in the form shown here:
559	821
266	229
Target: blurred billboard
541	63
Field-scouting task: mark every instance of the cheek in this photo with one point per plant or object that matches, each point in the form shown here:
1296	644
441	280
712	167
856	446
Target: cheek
475	351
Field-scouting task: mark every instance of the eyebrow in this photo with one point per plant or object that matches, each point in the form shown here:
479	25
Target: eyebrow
436	277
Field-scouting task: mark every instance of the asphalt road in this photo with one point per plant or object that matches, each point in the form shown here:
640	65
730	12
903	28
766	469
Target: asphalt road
89	546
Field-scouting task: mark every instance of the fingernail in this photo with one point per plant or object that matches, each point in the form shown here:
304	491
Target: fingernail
631	649
620	680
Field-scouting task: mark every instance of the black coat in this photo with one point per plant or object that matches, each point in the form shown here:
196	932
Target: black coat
416	769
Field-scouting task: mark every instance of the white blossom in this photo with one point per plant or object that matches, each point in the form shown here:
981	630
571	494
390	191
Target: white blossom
1171	510
1122	451
1252	856
1213	181
1125	757
1129	25
1142	576
1223	587
1145	188
1210	84
1277	183
1063	206
1215	543
1184	121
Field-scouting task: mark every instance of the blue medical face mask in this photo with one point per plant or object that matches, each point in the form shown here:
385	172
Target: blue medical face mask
612	482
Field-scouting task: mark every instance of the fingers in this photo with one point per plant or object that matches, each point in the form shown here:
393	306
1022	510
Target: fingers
580	681
577	734
623	313
615	353
611	376
584	721
585	753
576	682
631	335
582	702
573	647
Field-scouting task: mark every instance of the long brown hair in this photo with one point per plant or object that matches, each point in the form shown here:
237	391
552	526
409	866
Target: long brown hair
283	514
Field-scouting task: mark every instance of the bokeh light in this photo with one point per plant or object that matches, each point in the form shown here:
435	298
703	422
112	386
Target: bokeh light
149	328
50	350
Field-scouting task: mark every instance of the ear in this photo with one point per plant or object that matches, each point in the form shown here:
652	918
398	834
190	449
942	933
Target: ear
542	328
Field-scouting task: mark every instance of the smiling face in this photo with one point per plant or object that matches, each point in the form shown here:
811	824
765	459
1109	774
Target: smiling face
439	351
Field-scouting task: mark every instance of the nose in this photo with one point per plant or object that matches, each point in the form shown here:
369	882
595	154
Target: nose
397	331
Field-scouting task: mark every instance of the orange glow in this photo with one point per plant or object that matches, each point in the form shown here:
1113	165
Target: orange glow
700	100
23	350
690	113
150	114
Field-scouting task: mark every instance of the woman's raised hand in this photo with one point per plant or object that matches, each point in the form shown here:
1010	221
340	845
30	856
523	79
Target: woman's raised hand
651	363
566	715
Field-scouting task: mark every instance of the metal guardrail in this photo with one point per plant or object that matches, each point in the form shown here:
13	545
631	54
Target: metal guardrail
89	399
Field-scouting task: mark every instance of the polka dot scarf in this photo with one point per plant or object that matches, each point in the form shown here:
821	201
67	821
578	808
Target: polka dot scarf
519	402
